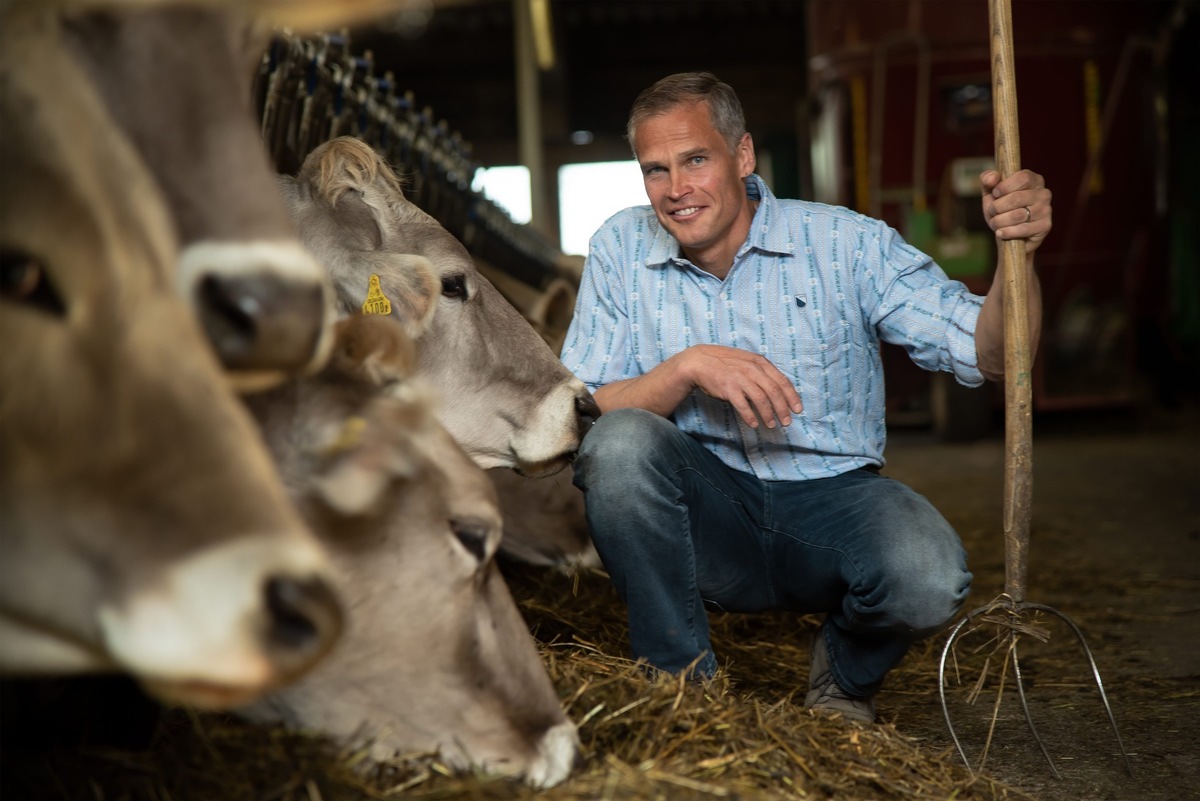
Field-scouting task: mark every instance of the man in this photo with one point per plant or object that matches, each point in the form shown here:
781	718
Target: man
732	340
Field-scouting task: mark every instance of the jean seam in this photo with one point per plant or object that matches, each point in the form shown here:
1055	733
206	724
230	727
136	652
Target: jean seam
850	560
768	544
691	557
687	468
764	544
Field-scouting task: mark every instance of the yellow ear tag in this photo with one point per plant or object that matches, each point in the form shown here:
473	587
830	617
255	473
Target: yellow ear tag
349	436
376	302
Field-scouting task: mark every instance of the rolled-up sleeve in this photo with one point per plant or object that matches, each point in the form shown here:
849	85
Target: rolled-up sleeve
918	307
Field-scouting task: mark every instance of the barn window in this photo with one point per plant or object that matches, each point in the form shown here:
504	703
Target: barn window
590	193
508	188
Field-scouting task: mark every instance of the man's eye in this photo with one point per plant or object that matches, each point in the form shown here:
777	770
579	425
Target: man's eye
697	160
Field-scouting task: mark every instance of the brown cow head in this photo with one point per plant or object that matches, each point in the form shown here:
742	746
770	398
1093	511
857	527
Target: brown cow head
436	655
506	397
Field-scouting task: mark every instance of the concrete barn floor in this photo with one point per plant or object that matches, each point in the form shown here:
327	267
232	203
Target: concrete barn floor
1116	547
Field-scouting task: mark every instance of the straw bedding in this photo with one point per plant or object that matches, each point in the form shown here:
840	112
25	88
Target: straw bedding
742	736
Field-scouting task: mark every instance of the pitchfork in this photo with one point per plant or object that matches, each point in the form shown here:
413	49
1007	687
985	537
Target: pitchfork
1009	609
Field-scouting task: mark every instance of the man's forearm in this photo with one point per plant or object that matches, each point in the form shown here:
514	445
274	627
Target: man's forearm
989	330
660	391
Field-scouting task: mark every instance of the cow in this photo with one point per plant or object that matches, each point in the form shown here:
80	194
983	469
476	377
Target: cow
176	76
506	397
544	521
143	528
436	656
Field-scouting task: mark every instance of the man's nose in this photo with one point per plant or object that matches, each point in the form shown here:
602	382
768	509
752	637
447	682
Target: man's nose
680	185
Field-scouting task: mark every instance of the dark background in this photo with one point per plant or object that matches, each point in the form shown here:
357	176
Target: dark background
1111	77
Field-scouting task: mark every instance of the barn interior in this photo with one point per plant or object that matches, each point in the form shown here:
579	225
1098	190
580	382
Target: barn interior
885	108
882	106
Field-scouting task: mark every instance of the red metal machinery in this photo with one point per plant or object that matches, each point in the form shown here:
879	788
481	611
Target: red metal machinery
902	105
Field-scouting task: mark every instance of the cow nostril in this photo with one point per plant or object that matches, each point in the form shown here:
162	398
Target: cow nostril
228	315
304	616
261	322
587	410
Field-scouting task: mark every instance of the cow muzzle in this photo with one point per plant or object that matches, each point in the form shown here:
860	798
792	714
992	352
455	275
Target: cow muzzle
302	620
587	412
226	626
551	432
266	308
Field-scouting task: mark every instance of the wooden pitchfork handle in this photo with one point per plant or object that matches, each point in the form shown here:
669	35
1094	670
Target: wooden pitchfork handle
1018	376
1018	433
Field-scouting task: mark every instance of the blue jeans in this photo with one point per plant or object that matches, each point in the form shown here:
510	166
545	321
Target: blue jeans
679	531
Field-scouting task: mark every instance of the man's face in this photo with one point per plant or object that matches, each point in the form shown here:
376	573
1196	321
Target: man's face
695	184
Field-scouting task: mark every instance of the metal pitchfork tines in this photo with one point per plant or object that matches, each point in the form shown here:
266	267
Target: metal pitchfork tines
1009	616
1009	611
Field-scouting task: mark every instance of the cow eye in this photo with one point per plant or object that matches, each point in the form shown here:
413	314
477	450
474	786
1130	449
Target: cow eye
455	286
473	535
23	280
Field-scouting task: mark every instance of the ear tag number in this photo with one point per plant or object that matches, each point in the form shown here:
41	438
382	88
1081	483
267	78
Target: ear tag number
376	302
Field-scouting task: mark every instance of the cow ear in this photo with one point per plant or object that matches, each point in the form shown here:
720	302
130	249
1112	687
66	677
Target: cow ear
361	464
373	349
338	176
347	164
352	490
407	288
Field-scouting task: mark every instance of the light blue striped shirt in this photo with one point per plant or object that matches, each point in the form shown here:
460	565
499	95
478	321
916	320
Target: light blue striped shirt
815	288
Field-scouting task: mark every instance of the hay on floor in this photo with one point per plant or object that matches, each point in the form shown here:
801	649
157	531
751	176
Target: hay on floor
742	736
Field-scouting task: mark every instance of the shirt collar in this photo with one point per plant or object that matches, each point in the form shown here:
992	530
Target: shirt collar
769	230
765	234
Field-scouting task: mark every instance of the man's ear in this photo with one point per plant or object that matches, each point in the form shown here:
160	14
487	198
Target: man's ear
745	153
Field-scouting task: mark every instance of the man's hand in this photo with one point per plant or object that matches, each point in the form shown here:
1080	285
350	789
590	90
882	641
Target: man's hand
754	386
1018	207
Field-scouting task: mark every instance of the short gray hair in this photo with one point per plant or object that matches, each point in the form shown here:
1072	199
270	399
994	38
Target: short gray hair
683	88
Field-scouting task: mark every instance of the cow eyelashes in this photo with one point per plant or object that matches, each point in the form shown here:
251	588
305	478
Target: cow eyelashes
23	280
455	286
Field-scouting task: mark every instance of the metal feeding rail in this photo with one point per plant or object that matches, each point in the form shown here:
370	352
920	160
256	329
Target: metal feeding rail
312	89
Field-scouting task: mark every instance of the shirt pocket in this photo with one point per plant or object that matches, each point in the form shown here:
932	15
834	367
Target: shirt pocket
822	372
